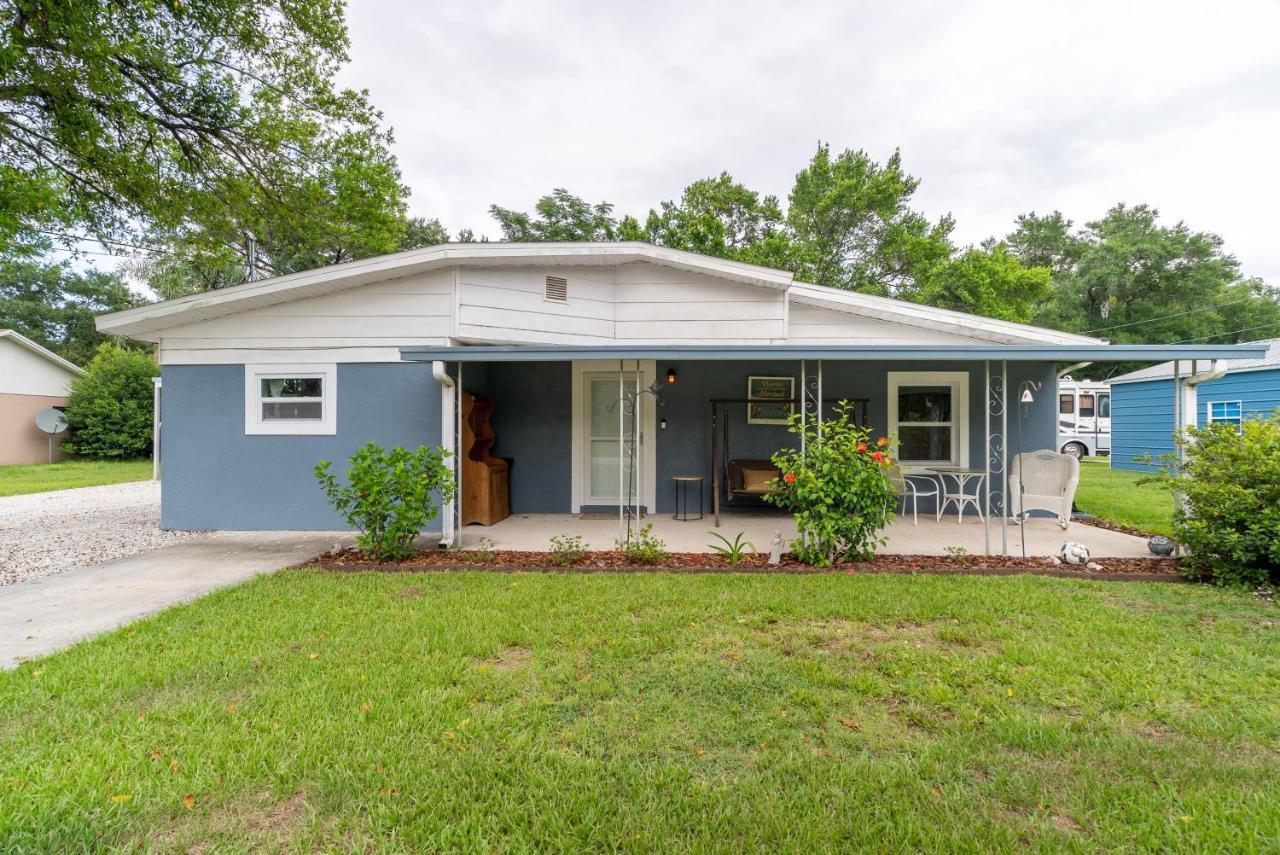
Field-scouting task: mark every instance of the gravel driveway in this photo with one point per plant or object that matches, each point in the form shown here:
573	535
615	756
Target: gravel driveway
45	533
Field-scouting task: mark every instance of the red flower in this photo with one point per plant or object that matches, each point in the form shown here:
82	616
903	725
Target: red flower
877	456
882	442
862	448
790	477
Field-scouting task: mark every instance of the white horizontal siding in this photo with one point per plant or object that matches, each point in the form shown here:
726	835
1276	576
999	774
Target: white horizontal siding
658	304
825	326
384	316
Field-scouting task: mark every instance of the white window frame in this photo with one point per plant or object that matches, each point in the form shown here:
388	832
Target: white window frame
1238	421
959	383
326	425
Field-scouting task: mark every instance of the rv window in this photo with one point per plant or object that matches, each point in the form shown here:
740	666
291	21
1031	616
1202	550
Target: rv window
1104	406
1066	404
1086	405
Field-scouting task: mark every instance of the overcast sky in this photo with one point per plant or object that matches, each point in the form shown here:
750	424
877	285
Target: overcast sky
999	108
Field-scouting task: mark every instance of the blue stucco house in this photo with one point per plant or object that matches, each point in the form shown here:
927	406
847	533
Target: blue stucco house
1145	407
262	380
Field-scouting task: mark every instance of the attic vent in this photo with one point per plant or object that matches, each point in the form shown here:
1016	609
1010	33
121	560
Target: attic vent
557	289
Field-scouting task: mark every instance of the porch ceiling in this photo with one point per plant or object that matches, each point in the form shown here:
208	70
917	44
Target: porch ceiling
952	353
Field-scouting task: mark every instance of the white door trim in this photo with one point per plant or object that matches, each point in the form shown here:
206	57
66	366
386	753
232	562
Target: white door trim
648	430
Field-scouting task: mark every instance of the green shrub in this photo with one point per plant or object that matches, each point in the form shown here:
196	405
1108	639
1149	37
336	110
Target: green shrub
110	408
838	488
566	549
390	496
1228	518
644	547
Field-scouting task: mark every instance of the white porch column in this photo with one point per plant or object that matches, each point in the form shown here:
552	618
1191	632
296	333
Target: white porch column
449	442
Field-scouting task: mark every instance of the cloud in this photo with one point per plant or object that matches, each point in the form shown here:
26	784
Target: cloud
999	108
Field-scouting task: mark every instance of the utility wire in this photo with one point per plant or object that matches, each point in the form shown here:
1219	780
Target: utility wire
1232	332
1167	317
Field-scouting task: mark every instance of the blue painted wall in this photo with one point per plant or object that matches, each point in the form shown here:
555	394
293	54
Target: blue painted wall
684	448
1142	413
217	477
533	427
214	476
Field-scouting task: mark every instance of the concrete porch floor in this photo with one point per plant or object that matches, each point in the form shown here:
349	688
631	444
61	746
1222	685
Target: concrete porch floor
533	531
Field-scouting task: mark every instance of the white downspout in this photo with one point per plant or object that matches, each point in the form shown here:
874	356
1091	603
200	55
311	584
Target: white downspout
448	440
1189	404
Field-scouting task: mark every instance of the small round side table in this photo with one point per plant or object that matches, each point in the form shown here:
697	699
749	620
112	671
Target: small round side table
682	486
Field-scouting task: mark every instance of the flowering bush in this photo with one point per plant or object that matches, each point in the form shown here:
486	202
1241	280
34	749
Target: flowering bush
838	488
1229	516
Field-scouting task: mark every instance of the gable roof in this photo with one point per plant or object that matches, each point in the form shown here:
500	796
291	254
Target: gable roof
326	280
918	314
352	274
41	351
1165	369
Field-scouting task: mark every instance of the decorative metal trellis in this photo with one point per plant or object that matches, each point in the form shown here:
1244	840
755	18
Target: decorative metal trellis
630	478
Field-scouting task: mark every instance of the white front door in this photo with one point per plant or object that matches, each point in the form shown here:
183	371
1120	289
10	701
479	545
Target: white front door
612	455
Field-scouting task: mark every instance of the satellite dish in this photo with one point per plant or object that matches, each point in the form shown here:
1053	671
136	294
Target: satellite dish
51	420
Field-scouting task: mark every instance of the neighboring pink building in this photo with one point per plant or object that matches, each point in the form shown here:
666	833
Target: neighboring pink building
32	378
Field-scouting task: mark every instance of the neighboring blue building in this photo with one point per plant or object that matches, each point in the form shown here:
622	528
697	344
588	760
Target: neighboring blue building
1142	418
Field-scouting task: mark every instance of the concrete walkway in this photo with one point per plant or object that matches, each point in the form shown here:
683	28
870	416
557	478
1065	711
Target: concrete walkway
39	616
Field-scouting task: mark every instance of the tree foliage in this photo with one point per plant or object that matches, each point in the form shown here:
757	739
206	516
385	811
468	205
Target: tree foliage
990	282
558	216
109	410
1129	278
54	305
186	125
721	217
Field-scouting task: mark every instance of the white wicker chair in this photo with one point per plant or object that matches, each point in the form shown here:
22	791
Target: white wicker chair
1043	481
908	489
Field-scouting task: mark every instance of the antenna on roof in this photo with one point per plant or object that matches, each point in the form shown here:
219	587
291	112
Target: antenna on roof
250	257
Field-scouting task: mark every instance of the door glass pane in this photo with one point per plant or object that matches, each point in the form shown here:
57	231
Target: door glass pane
927	444
602	444
605	395
1104	406
924	404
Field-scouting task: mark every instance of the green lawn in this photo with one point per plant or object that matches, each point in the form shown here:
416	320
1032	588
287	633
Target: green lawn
497	712
1116	495
40	478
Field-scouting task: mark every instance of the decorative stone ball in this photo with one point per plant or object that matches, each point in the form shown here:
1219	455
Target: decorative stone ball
1160	545
1074	553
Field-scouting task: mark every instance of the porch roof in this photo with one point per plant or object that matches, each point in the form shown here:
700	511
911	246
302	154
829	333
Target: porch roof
947	352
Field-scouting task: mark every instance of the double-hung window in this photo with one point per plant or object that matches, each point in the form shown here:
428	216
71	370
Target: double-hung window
1230	412
929	414
290	399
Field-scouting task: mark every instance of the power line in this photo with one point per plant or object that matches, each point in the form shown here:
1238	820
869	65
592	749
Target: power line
1167	317
1232	332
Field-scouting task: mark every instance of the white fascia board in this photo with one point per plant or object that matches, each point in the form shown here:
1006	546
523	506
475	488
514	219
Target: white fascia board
928	317
40	350
142	321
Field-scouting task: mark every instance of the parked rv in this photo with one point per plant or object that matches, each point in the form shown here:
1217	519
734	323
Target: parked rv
1084	417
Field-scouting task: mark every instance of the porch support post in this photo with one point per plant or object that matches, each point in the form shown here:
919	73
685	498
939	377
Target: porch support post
819	399
804	405
1004	456
622	445
449	425
986	458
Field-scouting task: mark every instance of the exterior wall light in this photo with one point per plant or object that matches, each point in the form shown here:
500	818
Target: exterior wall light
671	375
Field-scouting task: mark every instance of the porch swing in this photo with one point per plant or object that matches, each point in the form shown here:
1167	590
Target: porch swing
746	478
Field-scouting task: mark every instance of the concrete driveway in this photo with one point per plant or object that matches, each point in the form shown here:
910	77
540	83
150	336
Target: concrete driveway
39	616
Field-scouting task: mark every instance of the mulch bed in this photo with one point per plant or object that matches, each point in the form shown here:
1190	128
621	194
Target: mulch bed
1130	569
